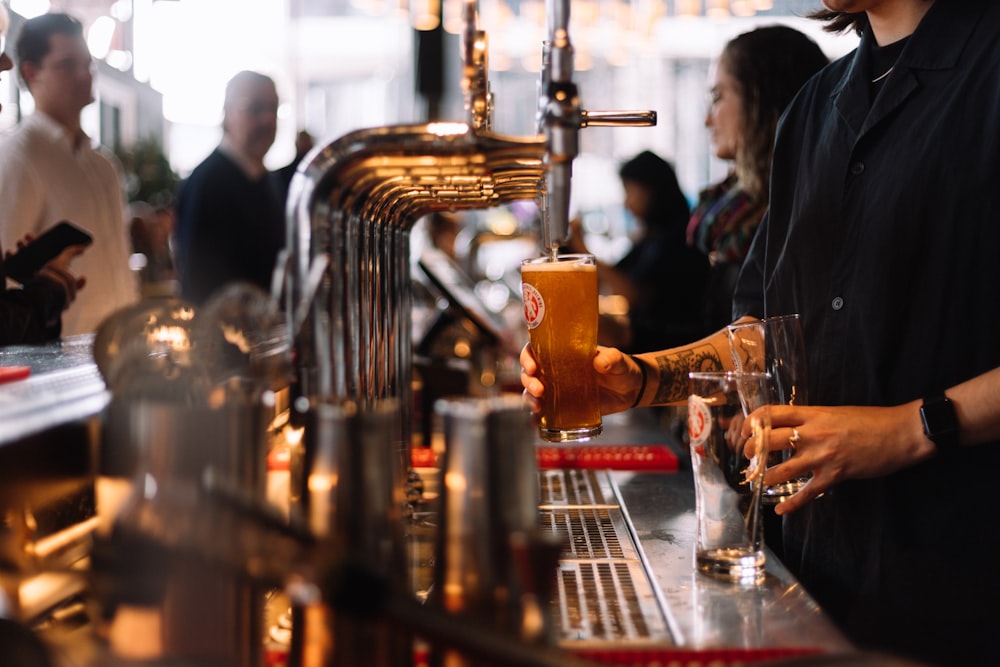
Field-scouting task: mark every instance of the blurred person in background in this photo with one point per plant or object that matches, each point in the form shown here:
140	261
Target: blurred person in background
443	228
50	172
661	277
756	76
32	312
303	144
150	229
230	212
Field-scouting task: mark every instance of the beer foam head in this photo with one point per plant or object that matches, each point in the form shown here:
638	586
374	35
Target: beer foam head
559	266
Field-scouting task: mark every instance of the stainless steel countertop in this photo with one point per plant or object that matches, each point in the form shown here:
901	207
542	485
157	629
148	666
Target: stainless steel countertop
64	386
703	612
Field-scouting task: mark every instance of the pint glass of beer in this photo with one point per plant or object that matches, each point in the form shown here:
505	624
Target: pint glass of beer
560	307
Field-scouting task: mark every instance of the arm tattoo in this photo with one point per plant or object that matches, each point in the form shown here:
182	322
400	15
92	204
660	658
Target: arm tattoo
674	368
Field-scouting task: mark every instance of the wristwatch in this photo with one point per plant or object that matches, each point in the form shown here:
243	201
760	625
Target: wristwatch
940	421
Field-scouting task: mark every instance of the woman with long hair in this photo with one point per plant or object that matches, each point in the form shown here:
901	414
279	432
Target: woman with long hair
756	76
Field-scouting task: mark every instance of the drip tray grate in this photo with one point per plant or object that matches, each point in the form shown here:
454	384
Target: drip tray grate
579	488
604	592
590	533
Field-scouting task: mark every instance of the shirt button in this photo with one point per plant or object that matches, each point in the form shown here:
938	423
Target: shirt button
857	168
837	303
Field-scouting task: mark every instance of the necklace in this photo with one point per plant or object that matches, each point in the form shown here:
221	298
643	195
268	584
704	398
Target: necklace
882	75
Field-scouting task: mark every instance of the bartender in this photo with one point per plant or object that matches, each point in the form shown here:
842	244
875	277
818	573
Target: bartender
880	235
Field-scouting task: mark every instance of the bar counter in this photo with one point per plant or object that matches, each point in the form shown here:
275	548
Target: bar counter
63	386
730	621
700	619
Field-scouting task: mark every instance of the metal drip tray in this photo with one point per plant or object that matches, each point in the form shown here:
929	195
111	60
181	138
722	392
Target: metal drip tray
605	594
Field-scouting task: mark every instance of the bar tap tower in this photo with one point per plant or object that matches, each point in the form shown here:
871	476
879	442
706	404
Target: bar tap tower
344	279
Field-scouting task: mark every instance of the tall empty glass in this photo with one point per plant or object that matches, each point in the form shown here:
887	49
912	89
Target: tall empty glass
560	307
776	346
727	469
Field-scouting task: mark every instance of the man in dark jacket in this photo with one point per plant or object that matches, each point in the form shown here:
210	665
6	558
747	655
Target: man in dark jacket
229	211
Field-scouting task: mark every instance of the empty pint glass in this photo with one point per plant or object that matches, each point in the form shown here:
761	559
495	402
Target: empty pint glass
775	346
727	472
560	307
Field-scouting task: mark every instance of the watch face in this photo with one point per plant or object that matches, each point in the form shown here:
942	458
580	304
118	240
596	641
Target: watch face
940	419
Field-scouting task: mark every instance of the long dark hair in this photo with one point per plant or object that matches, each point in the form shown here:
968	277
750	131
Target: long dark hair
769	65
668	207
841	21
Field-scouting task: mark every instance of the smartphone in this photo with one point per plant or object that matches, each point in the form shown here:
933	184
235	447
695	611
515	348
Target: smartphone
27	261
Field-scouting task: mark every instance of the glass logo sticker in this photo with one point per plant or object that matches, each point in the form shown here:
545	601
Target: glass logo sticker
534	305
699	421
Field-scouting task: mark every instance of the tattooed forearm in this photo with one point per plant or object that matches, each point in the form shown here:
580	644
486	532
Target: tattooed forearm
674	367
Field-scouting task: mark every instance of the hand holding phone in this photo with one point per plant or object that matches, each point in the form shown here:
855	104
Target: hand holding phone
27	261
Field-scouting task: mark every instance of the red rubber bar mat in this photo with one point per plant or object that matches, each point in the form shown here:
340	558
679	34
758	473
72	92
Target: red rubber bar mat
649	458
652	458
666	657
715	657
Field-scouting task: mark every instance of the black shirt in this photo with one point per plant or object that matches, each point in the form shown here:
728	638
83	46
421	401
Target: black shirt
229	228
670	277
884	234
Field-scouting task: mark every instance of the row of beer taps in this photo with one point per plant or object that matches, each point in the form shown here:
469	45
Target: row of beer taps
366	190
352	205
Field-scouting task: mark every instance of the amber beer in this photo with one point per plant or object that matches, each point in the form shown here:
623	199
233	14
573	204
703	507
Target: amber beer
560	307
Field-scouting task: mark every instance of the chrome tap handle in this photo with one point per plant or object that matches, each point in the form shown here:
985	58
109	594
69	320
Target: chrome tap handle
560	118
618	118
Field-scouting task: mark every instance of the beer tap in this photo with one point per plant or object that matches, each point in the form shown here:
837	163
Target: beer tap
560	119
475	81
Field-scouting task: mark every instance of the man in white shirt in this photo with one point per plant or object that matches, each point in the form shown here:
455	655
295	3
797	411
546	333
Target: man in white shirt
50	172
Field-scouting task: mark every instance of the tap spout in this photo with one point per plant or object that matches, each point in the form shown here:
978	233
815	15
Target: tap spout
560	119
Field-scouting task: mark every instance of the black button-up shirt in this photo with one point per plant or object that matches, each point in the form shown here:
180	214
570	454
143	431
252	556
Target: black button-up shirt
884	234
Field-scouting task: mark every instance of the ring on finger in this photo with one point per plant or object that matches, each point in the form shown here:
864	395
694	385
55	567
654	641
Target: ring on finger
794	438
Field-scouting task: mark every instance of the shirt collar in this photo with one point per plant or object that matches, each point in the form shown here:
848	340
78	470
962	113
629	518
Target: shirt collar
249	166
940	38
936	44
56	131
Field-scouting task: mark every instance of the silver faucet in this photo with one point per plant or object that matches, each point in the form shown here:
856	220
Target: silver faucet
560	119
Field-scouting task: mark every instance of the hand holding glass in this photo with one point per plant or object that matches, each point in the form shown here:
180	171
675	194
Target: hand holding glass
560	307
775	346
